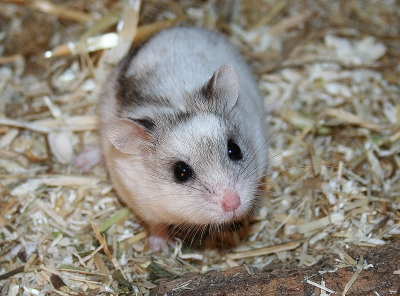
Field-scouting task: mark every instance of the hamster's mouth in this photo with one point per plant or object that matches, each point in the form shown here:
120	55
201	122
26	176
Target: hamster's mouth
234	216
218	215
221	236
225	205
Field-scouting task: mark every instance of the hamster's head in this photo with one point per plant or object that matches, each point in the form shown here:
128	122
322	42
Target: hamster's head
199	168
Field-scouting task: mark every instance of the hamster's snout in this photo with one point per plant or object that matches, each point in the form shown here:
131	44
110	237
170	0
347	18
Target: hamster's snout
230	200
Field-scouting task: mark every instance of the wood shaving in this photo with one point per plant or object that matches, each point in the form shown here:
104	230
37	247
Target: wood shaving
329	74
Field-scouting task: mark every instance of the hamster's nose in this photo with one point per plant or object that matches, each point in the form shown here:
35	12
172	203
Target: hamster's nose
230	200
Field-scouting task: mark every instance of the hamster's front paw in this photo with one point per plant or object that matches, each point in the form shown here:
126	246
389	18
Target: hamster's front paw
159	238
88	158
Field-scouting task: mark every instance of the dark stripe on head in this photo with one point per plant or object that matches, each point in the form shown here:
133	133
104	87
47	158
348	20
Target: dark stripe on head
147	123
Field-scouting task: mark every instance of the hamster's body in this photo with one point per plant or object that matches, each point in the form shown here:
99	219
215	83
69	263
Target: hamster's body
183	131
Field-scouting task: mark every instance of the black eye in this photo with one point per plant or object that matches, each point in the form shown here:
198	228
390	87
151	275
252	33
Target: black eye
234	151
182	171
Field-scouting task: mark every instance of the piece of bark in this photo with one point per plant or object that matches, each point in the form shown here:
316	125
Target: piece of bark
379	279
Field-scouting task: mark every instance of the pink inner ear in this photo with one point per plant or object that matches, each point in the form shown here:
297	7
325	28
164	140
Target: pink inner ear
225	85
126	135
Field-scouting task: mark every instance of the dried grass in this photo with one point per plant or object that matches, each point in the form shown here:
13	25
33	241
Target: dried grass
329	73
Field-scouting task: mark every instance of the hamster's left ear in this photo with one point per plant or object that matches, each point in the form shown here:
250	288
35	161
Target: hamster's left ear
127	135
222	90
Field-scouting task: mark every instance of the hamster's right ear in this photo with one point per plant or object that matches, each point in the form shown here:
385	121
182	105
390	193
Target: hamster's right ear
127	135
223	88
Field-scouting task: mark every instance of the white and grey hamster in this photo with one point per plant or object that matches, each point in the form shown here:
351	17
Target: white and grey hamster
183	131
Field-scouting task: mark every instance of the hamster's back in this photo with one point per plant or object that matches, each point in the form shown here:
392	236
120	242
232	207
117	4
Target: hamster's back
180	60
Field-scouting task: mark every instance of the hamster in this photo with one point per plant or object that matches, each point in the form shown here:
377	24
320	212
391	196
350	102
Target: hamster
182	129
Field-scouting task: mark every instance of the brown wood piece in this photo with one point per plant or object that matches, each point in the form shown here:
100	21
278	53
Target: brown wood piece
380	278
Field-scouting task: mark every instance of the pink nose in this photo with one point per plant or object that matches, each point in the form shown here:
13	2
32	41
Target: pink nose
230	201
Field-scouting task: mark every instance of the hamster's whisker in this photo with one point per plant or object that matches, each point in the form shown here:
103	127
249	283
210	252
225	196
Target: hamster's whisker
268	163
251	145
264	144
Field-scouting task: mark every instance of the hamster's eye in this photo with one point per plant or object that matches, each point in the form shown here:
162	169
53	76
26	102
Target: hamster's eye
182	171
234	151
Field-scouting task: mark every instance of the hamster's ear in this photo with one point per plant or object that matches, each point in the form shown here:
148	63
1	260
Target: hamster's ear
127	135
223	88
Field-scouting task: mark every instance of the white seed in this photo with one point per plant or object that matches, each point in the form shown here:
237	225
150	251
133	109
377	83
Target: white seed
61	146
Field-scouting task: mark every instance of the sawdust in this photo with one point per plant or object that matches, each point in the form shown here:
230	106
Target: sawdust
329	73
